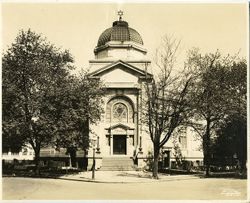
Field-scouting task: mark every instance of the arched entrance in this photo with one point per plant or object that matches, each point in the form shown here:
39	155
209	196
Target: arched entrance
120	116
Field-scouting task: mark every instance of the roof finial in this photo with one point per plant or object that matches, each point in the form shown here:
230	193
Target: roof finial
120	14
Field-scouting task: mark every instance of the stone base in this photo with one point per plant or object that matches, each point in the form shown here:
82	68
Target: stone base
141	160
98	163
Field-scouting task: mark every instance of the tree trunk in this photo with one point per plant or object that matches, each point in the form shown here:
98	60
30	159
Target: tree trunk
155	164
242	152
37	160
73	157
207	161
206	148
70	161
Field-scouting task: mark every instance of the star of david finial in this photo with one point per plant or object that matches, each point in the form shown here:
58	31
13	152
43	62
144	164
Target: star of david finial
120	14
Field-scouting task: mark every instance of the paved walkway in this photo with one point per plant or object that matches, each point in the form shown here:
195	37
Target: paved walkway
124	177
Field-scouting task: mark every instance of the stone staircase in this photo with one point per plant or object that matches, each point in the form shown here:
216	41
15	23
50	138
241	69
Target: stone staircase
117	164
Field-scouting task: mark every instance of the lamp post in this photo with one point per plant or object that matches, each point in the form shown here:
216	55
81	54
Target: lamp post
98	145
93	142
140	145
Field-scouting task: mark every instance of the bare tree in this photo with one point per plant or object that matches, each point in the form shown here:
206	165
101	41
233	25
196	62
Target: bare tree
166	105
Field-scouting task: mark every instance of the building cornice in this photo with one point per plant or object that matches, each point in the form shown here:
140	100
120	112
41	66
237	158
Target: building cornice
112	61
120	45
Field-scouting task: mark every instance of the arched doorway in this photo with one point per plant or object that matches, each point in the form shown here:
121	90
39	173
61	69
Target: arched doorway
120	116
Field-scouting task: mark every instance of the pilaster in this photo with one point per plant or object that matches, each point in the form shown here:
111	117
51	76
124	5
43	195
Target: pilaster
111	143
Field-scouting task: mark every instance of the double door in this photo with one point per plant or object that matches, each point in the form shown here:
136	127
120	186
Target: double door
120	144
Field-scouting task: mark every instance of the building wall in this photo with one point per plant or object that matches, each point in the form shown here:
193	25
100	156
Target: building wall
126	50
27	153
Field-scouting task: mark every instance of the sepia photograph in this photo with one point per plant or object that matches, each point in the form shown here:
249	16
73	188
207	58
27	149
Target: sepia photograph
125	101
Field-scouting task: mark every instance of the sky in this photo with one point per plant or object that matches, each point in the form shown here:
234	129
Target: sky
77	26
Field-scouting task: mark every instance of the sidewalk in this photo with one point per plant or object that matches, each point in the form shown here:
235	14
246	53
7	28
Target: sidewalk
124	177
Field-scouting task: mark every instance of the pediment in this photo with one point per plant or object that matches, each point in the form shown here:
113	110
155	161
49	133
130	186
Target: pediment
120	70
120	126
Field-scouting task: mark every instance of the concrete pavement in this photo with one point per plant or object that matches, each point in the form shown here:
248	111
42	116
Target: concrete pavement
16	188
124	177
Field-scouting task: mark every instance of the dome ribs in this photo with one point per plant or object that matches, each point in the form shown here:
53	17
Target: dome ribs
119	32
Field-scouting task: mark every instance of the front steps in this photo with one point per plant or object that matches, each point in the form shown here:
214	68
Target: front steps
117	164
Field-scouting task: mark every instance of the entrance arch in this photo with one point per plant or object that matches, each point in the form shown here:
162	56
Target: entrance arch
121	130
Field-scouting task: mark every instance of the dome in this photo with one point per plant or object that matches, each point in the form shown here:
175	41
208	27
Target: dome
120	31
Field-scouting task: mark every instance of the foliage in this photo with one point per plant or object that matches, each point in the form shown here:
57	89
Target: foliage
214	94
43	104
33	69
80	101
12	141
231	143
149	161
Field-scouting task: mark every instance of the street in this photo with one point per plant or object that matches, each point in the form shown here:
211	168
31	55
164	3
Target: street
195	189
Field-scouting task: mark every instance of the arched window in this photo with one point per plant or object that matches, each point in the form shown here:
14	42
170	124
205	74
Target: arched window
120	113
120	110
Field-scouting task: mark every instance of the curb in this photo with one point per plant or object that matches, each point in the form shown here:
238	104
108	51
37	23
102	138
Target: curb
136	181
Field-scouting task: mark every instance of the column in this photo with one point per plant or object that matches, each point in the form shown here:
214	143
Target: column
127	143
111	143
136	138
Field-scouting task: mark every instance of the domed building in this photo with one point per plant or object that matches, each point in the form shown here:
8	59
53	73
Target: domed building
122	142
121	63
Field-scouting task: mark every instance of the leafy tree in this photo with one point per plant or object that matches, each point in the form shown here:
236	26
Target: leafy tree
236	85
212	95
12	141
32	71
167	98
231	142
80	100
232	132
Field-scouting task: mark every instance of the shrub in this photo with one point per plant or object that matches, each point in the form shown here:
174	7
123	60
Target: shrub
149	161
